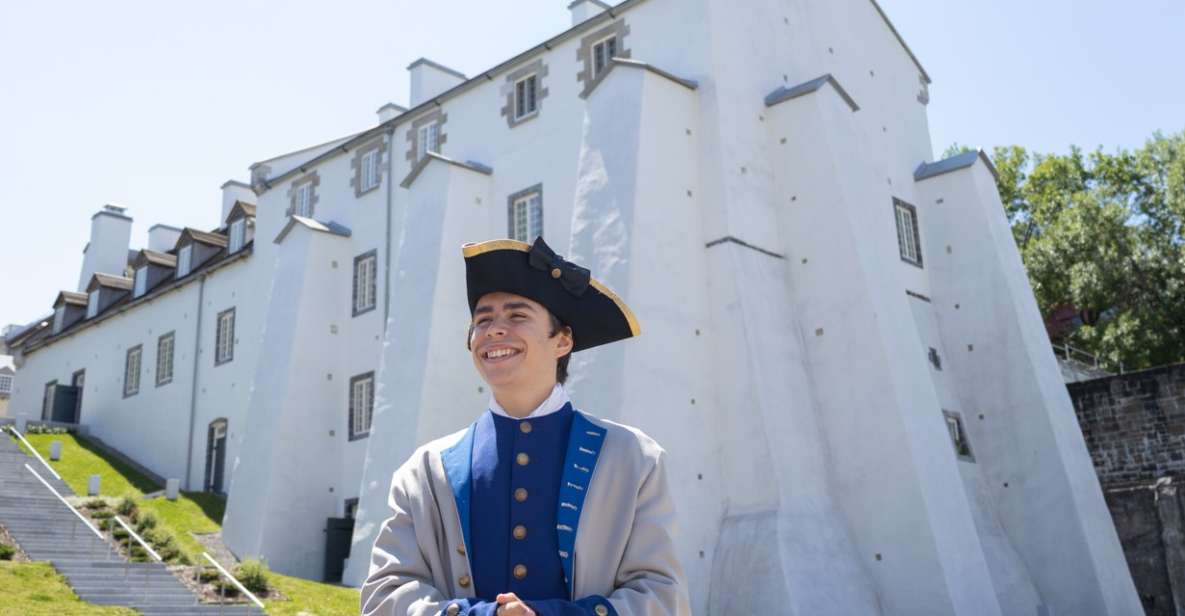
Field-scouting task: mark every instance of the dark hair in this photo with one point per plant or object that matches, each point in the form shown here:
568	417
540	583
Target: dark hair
561	364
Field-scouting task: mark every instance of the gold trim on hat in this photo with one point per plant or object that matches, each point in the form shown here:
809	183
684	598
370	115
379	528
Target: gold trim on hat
479	248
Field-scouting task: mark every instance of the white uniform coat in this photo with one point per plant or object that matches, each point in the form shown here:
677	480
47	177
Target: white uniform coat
624	545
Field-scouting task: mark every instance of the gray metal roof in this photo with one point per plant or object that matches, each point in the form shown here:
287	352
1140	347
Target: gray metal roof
783	93
431	156
954	163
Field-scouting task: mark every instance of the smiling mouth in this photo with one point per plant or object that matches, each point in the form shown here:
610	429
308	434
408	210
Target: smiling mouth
499	354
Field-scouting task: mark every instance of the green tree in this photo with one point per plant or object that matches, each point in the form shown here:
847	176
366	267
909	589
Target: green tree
1101	237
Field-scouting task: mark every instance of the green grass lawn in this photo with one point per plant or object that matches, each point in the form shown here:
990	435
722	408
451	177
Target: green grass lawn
192	512
35	589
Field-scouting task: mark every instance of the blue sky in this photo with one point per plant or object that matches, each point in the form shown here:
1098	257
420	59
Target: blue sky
153	105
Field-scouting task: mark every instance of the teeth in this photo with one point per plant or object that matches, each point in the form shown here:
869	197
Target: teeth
495	354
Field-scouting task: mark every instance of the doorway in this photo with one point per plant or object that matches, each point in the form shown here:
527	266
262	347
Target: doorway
78	381
215	456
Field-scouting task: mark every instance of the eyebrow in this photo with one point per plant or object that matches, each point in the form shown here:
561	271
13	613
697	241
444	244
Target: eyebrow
508	306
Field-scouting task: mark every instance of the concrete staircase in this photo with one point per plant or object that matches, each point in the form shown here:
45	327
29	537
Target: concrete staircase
47	530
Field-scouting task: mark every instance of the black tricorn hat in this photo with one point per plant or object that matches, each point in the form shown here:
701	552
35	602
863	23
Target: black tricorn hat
594	312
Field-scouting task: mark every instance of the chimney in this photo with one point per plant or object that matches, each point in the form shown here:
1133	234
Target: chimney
234	190
162	238
107	252
583	10
389	111
429	79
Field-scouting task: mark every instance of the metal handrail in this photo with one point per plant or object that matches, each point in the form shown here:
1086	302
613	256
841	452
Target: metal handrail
141	541
30	446
67	504
239	585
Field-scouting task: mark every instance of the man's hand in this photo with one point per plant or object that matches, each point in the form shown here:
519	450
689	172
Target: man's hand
510	605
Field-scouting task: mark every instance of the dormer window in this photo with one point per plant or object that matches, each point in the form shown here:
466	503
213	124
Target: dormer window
602	53
59	318
238	235
92	304
428	140
184	260
141	282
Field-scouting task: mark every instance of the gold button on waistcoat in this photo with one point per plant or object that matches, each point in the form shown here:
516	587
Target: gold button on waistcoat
556	273
453	609
520	572
601	610
461	550
520	532
520	495
464	581
522	459
525	427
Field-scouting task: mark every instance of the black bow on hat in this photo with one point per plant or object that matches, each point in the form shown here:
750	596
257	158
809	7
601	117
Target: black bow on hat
573	277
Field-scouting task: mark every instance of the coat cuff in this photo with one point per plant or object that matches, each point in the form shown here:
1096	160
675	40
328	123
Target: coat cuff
468	607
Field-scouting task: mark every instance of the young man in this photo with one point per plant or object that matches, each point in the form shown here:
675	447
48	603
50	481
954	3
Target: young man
535	508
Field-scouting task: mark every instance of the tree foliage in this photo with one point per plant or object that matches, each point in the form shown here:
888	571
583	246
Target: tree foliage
1101	238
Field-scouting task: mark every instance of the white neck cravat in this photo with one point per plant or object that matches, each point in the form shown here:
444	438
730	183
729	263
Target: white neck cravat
553	403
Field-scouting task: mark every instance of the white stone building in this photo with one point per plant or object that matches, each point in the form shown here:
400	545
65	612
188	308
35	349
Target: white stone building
840	349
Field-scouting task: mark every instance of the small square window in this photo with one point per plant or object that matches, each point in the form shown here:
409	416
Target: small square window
5	384
602	53
141	284
958	435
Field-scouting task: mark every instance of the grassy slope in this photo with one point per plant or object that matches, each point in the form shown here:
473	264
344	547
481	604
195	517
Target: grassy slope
35	589
193	512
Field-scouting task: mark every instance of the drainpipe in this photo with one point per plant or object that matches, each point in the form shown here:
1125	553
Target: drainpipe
387	245
197	345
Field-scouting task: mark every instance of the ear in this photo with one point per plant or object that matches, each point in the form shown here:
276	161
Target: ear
564	342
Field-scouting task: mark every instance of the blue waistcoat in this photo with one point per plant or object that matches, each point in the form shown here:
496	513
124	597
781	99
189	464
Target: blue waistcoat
517	467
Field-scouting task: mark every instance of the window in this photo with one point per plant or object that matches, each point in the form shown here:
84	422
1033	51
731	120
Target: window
92	304
958	435
238	235
526	100
364	282
361	405
141	281
164	359
131	371
59	318
526	215
224	347
184	259
602	53
5	384
908	241
304	200
370	170
224	337
428	139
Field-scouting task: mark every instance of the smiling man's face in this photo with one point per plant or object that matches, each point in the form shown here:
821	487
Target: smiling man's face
512	345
